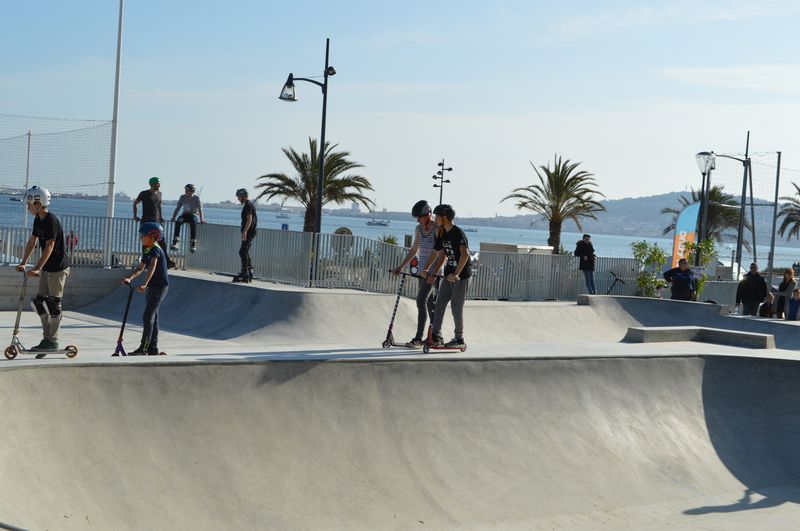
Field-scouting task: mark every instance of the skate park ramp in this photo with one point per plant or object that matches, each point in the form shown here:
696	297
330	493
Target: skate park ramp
610	443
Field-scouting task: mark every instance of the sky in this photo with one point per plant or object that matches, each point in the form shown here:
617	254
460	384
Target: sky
632	90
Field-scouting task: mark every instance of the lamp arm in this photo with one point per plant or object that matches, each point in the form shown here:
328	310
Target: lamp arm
729	157
317	83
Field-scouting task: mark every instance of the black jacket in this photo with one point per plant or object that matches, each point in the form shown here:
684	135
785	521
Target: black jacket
752	289
585	249
683	282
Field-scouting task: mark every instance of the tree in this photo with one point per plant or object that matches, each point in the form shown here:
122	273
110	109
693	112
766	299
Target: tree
723	213
337	186
790	212
561	194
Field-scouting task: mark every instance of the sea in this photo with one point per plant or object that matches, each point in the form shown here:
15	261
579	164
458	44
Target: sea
608	245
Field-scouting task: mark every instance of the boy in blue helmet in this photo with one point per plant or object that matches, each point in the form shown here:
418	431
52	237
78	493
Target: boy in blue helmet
154	286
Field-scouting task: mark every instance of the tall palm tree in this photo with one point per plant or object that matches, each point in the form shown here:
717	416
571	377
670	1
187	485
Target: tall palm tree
723	213
790	212
337	187
561	194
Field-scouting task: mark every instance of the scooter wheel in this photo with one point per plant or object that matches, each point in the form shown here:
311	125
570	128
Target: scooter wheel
426	349
386	344
71	351
11	352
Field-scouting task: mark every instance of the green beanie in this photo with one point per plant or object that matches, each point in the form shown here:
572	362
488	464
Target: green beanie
153	180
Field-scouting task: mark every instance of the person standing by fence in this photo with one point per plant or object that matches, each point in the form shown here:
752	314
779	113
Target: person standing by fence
151	211
684	284
584	250
424	242
752	291
192	212
52	268
248	232
785	290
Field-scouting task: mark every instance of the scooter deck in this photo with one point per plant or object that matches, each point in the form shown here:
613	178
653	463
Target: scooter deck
15	349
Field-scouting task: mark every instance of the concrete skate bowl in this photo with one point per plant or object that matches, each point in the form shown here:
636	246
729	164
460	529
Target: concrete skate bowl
263	313
614	443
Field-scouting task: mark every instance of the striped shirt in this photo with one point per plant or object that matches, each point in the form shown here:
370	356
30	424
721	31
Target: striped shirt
426	243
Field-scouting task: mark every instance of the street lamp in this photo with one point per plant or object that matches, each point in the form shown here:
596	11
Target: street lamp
288	93
440	177
705	162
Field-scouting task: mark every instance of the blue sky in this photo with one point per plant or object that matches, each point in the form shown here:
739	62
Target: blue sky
631	89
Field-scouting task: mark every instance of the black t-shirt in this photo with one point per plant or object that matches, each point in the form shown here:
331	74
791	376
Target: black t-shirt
249	209
160	277
151	205
451	241
46	229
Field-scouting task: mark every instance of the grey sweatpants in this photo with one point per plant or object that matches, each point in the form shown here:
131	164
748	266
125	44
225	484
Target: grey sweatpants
454	293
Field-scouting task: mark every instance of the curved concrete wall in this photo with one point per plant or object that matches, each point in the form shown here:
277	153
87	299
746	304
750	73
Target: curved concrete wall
84	286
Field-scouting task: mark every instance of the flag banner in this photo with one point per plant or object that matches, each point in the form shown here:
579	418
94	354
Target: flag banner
685	231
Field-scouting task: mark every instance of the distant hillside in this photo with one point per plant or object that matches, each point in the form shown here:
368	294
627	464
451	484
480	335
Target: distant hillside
631	216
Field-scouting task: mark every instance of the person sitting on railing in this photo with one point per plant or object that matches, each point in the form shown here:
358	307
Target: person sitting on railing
192	211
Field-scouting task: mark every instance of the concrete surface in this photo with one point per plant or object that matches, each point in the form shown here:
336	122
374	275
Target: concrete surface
277	409
663	334
84	286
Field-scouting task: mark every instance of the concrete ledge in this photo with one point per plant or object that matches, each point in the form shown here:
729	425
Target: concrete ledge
84	286
658	334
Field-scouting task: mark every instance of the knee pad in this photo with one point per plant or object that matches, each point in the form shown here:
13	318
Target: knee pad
38	304
53	305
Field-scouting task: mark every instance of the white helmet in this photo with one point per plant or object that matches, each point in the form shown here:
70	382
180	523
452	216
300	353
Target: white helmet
34	194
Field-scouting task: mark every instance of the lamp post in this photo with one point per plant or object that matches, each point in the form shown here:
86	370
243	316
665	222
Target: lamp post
706	162
439	176
288	93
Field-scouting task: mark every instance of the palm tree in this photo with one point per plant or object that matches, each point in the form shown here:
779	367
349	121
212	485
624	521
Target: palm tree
790	212
561	194
723	213
338	187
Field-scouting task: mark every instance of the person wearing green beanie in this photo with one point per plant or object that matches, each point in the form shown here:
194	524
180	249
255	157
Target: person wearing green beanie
151	211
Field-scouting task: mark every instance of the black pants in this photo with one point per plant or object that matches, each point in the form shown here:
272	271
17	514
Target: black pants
425	305
183	218
244	254
781	306
154	298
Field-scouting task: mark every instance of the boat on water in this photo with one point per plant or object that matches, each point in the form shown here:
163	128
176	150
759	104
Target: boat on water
283	215
378	222
469	229
15	199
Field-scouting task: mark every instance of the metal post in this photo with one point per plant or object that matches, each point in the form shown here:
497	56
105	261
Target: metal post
321	158
752	213
774	220
740	231
701	228
112	166
27	183
441	184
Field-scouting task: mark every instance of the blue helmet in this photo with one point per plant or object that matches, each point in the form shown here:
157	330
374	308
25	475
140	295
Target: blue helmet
152	229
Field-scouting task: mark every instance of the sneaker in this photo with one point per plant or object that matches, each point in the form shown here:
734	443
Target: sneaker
153	352
138	352
171	264
193	247
173	246
45	345
415	343
455	343
437	341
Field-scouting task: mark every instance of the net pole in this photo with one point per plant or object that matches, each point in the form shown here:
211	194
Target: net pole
742	214
752	213
774	220
27	180
112	166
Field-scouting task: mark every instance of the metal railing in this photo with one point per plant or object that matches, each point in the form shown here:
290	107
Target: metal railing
330	260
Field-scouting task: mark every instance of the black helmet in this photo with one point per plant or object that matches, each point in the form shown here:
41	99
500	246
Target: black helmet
420	208
445	210
189	187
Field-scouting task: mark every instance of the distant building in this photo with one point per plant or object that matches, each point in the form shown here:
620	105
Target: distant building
355	208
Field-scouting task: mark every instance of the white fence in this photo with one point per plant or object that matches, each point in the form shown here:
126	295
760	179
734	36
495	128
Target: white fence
343	261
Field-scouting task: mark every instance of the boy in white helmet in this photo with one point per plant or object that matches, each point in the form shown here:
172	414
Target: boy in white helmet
192	211
52	268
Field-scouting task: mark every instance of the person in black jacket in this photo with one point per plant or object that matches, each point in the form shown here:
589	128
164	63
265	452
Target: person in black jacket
684	285
584	250
752	291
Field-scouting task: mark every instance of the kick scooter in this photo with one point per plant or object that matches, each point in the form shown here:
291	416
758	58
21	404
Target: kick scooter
389	341
120	350
16	347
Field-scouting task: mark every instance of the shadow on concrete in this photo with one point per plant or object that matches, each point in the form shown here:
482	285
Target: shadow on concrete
752	414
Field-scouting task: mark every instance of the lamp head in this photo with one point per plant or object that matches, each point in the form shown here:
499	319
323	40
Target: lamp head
331	71
706	161
288	92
